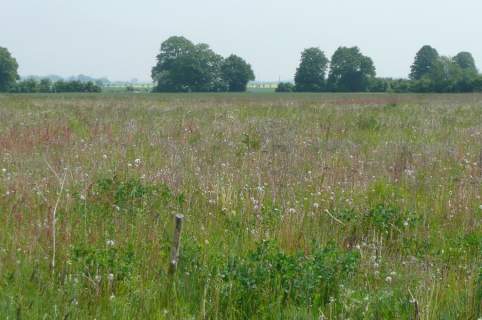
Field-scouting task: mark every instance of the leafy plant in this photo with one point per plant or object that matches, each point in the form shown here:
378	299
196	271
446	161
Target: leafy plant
92	261
268	274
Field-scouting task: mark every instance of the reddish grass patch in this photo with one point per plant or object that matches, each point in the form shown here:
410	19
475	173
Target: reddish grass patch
26	139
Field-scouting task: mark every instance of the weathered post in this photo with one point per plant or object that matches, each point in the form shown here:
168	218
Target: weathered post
176	243
480	162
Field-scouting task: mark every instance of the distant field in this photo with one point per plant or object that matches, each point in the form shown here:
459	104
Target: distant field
261	90
297	206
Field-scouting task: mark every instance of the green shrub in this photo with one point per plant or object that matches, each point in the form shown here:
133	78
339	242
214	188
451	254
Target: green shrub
268	275
133	195
285	87
92	261
387	218
368	122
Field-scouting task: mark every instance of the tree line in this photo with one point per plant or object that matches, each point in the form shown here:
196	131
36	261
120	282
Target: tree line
48	86
351	71
183	66
10	80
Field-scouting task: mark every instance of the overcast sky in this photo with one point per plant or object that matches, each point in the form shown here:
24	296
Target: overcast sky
119	39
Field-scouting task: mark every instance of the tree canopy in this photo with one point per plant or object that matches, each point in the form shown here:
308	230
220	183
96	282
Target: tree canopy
237	73
425	59
350	70
8	70
466	61
310	74
183	66
447	75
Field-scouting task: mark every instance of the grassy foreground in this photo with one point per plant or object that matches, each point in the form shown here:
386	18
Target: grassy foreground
296	206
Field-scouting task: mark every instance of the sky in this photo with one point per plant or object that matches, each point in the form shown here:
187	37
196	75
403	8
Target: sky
119	39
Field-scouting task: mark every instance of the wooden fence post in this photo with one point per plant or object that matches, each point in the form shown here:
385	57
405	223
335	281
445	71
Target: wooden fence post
176	243
480	162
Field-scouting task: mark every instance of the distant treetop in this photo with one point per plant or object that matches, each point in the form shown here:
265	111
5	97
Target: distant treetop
183	66
425	59
8	70
310	74
350	70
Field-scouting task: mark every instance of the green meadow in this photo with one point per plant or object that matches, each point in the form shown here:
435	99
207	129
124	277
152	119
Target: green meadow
297	206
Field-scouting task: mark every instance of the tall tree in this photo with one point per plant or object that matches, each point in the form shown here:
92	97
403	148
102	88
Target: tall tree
8	70
236	73
310	74
183	66
425	59
466	61
444	75
350	70
174	67
207	75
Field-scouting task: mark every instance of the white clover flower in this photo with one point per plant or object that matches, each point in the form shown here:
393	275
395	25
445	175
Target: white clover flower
4	170
110	243
137	162
409	172
104	156
291	210
110	277
316	205
388	279
97	278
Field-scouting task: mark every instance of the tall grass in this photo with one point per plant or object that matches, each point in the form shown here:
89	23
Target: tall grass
297	206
